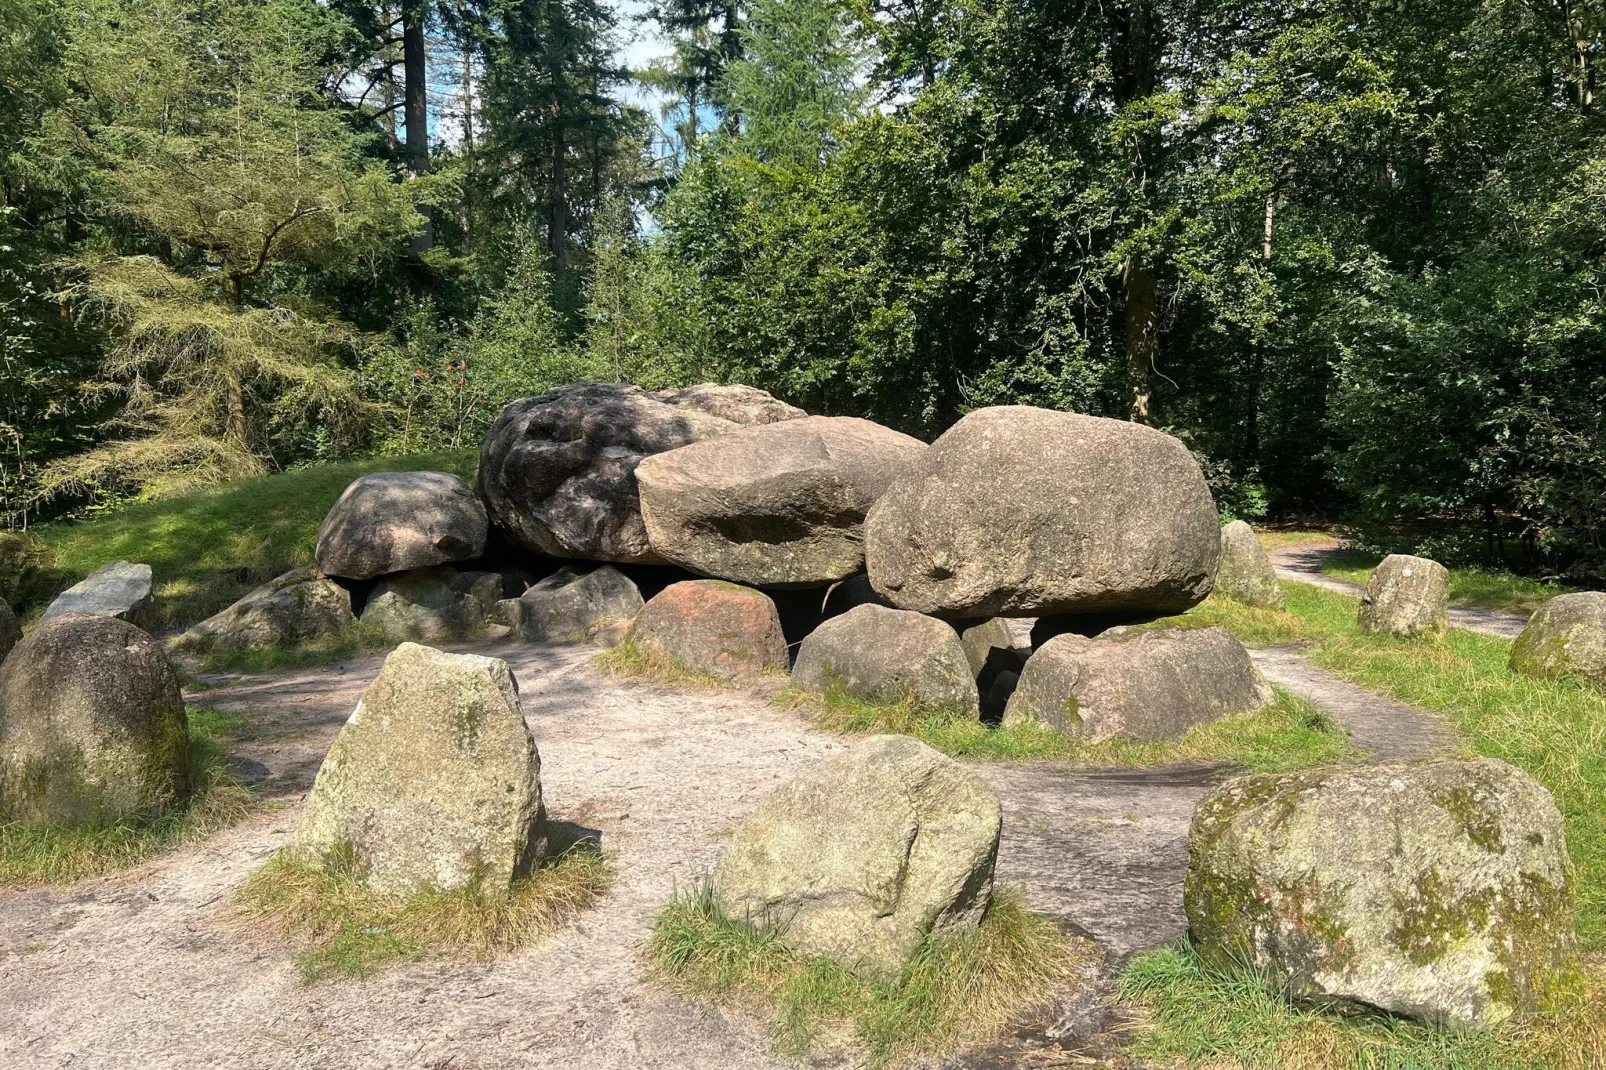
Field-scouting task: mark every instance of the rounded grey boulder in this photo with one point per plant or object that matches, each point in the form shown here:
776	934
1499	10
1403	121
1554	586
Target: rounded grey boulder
1406	597
433	603
781	504
1565	637
864	856
92	726
1151	684
570	605
1020	511
10	629
1245	574
888	655
396	521
1440	890
292	608
120	589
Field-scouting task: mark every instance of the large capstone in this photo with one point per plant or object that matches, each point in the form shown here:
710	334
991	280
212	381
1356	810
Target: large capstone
570	605
120	589
293	608
92	726
1245	573
713	627
558	471
780	504
433	781
10	629
1440	891
433	604
396	521
863	857
887	656
1019	511
1565	637
1406	597
1151	684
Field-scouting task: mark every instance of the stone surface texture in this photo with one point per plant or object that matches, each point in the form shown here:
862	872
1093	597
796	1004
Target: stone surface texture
1245	573
434	779
714	627
10	629
1440	890
861	858
746	406
1565	637
397	521
92	725
120	589
1406	597
884	655
292	608
571	604
1020	511
1148	684
432	603
779	504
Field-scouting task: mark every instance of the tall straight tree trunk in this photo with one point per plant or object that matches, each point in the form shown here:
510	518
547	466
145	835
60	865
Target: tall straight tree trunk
415	105
1135	62
560	207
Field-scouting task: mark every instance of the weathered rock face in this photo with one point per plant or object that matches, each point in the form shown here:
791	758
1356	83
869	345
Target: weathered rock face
1145	685
780	504
396	521
120	589
293	608
888	655
1406	597
743	405
10	629
433	603
569	605
433	778
1245	573
1018	511
1440	890
996	643
92	726
861	858
714	627
1565	637
558	471
851	592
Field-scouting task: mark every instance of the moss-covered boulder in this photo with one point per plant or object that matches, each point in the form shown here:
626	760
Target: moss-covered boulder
432	604
1441	891
877	654
10	629
714	627
1245	573
92	726
1406	597
572	604
434	780
1565	637
292	608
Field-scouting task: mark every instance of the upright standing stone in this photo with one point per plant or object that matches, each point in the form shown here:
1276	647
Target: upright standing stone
888	655
120	589
1245	573
434	780
1565	637
714	627
1406	597
396	521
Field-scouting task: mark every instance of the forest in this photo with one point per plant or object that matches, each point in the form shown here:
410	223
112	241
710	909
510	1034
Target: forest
1352	252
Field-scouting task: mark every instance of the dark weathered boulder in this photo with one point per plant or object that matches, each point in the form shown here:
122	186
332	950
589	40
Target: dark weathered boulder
1406	597
571	605
558	472
747	406
998	643
1018	511
863	857
10	629
433	604
92	726
1150	684
1440	891
1565	637
1245	574
888	655
780	504
714	627
120	589
397	521
434	781
293	608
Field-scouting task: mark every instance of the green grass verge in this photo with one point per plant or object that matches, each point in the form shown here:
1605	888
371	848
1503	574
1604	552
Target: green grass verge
956	990
631	662
1277	539
64	855
1196	1016
1486	588
342	929
352	640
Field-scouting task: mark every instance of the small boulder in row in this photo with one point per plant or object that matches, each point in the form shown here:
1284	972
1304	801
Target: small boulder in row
1440	890
780	504
433	781
864	856
293	608
1406	597
1245	573
714	627
10	629
888	655
571	604
1565	637
92	726
120	589
397	521
433	604
1151	684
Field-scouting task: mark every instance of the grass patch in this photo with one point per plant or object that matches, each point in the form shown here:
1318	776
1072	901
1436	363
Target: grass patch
1291	733
1236	1018
64	855
955	991
353	639
1486	588
345	930
631	662
1276	540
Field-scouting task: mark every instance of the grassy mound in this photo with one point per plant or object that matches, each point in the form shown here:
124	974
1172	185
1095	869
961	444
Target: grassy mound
955	991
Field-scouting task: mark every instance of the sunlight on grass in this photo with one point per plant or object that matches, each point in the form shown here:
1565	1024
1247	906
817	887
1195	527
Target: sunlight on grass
956	990
351	641
631	662
1276	540
1489	589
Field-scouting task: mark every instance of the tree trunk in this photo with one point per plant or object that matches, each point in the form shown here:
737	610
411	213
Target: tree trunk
1142	339
1135	68
415	104
1271	213
560	208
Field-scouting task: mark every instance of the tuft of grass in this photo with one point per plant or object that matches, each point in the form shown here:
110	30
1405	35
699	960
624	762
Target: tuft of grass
343	929
1487	588
354	639
64	855
1199	1016
1291	733
631	662
956	990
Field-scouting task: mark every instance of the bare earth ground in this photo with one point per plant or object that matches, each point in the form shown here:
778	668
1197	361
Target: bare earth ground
140	971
